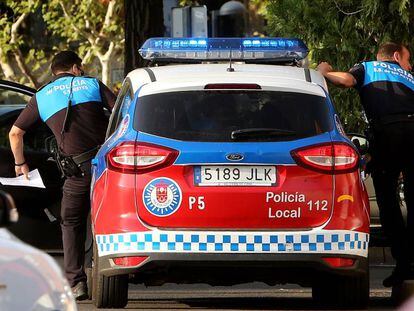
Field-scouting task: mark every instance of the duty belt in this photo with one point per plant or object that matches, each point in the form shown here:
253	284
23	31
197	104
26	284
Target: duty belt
86	156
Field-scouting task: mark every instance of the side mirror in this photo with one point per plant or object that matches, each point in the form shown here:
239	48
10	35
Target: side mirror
8	210
360	142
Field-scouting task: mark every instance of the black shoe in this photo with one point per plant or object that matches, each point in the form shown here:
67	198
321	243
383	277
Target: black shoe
80	291
396	278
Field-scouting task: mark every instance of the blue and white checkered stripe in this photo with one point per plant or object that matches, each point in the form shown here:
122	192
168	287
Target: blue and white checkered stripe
316	241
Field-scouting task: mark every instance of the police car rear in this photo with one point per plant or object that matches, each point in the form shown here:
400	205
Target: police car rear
228	173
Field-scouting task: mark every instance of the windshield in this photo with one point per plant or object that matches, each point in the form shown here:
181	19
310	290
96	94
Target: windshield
225	116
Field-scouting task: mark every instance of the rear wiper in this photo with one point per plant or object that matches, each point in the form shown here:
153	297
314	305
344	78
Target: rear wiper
260	133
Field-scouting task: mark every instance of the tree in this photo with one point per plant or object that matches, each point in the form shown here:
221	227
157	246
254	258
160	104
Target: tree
343	33
14	47
143	19
96	27
257	12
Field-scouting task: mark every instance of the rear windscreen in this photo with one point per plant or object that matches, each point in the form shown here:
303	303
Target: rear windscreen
225	116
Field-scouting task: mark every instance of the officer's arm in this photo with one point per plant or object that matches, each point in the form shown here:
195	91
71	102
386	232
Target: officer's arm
338	78
16	142
27	118
342	79
108	98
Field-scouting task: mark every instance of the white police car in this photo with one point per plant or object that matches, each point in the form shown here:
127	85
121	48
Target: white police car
234	168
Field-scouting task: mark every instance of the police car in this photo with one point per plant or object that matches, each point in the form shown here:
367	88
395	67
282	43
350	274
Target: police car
231	168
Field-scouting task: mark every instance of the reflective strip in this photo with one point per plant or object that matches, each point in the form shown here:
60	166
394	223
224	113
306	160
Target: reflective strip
317	241
376	71
54	96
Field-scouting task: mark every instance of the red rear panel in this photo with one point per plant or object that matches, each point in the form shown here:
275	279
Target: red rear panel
300	198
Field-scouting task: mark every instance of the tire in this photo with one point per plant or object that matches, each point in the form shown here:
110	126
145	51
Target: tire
342	292
108	291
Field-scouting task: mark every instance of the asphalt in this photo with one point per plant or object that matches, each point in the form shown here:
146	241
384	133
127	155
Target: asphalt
252	296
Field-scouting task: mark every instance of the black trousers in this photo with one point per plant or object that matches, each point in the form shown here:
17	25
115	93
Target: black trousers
392	160
74	212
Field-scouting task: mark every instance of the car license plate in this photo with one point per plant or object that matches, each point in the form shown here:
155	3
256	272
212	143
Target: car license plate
234	175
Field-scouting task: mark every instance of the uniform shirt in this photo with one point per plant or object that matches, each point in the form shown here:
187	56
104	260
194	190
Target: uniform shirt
385	89
86	124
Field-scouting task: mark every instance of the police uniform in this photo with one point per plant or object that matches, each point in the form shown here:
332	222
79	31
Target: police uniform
86	125
387	94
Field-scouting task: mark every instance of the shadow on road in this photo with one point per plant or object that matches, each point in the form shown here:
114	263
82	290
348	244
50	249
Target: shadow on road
377	304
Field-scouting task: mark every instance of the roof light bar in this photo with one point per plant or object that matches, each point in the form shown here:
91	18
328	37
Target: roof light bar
216	49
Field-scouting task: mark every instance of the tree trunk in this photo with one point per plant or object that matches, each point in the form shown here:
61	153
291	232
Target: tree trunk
106	63
106	71
7	69
23	67
143	19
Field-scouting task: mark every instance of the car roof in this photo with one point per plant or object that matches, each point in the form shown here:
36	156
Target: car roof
17	87
195	76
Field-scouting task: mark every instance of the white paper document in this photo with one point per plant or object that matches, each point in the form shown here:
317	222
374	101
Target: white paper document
35	180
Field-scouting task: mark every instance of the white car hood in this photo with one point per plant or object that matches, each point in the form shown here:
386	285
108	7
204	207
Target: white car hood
29	278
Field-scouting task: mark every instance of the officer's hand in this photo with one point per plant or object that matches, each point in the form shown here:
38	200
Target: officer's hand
22	170
324	67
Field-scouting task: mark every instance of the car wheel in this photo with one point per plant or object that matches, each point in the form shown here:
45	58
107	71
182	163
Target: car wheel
344	292
108	291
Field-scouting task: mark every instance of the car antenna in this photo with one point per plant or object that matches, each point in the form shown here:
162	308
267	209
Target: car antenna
230	69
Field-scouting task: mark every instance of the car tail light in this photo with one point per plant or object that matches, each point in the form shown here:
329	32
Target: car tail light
232	86
139	157
338	262
128	261
331	158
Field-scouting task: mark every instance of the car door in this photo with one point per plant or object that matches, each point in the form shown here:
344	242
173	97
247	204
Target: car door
39	208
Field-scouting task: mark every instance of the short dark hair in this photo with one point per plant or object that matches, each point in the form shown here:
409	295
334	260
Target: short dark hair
387	50
64	60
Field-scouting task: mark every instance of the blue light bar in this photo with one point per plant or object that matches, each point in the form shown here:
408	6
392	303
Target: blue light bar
216	49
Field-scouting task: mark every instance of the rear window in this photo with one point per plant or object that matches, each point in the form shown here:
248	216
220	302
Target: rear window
226	116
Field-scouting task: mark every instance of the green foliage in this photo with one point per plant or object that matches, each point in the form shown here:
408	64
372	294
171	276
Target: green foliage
6	22
343	33
188	2
15	40
260	5
81	23
94	28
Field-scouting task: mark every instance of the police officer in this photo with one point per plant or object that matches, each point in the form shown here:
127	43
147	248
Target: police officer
72	106
386	89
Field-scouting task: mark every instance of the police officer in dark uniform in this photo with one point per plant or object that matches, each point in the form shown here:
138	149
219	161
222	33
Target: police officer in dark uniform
386	89
72	105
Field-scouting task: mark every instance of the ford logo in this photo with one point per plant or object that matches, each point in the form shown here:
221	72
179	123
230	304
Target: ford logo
234	157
